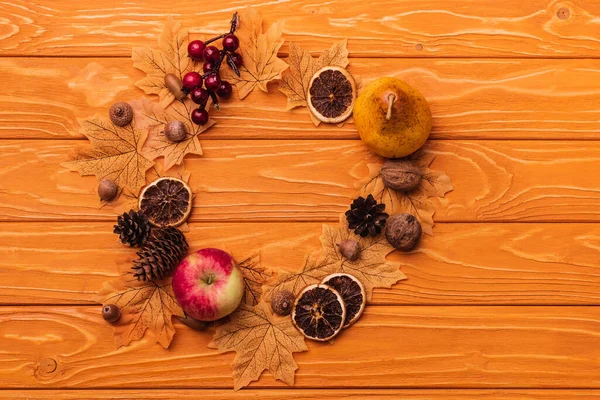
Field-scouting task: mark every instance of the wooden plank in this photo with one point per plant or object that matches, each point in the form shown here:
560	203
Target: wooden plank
305	394
449	347
470	99
264	180
526	264
431	28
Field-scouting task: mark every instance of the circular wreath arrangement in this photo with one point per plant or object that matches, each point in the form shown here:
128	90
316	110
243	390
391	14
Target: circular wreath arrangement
244	301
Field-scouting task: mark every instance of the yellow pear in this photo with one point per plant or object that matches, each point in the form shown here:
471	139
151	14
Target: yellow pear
392	118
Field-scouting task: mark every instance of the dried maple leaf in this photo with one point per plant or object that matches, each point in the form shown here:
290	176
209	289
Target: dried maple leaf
416	202
157	145
296	79
116	153
314	269
143	305
371	267
170	57
255	277
259	51
262	342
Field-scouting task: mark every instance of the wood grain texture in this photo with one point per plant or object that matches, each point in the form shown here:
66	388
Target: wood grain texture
305	394
470	99
386	28
314	181
450	347
526	264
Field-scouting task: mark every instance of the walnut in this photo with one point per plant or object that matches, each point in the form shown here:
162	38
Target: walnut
121	113
402	175
403	231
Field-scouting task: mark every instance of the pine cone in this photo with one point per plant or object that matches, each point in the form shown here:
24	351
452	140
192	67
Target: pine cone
366	217
161	253
133	228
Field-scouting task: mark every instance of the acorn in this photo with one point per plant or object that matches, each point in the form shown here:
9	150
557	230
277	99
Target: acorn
121	113
173	83
111	313
403	231
107	190
282	302
350	249
176	131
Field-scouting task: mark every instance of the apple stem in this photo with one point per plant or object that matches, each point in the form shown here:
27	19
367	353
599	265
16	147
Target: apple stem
210	279
391	99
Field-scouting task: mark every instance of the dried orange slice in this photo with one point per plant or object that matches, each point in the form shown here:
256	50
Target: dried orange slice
167	202
319	312
331	94
353	293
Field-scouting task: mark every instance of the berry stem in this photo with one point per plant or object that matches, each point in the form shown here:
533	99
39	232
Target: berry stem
209	41
234	22
391	99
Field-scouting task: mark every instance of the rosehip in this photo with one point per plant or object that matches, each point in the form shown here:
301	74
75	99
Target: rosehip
211	53
200	117
208	66
192	80
237	59
199	96
231	42
212	82
196	48
224	90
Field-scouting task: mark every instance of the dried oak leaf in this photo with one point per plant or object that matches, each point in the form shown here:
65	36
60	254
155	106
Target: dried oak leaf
116	153
259	52
370	268
296	79
170	57
262	342
416	202
144	306
314	269
157	145
255	276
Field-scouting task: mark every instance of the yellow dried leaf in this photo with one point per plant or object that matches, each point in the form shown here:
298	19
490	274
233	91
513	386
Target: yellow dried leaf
259	52
416	202
170	57
295	80
144	306
314	269
157	145
116	153
371	267
262	342
255	276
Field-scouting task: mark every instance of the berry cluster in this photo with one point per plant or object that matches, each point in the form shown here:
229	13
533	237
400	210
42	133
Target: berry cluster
210	85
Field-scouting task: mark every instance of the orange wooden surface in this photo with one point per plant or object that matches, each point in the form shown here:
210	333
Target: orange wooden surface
501	303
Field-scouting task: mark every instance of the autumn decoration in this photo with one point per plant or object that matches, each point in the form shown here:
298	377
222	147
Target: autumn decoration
138	152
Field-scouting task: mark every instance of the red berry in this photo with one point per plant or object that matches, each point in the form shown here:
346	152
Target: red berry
208	66
200	117
196	48
237	59
192	80
212	82
231	42
212	54
224	90
199	96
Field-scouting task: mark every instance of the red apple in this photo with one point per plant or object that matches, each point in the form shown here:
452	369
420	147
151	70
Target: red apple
208	285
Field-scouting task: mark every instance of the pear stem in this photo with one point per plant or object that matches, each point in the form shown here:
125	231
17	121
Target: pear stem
391	99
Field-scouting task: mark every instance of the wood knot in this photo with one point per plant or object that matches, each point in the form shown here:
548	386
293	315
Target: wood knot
47	365
563	13
419	47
